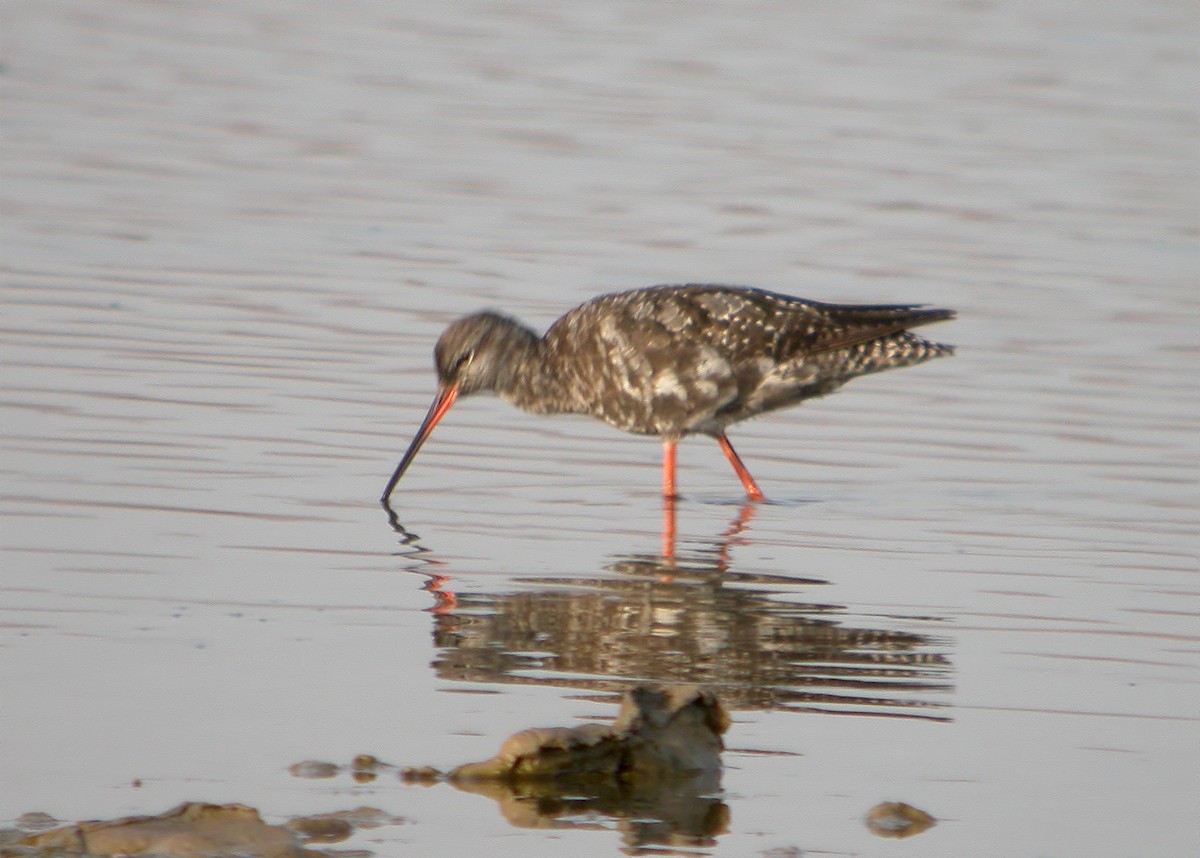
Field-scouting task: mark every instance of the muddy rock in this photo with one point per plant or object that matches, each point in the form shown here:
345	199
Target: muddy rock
192	830
897	819
661	732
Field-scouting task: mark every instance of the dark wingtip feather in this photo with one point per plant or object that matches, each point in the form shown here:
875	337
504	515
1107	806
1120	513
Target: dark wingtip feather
934	314
860	324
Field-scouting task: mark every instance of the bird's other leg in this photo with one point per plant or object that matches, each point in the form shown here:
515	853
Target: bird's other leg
752	490
668	488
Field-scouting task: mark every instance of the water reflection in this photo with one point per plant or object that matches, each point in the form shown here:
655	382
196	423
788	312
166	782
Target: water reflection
683	815
683	812
435	584
760	640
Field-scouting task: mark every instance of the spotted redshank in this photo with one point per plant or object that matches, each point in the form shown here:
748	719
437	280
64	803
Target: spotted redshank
675	360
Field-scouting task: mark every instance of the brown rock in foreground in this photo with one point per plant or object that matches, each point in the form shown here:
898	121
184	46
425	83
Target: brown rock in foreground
191	830
897	819
661	732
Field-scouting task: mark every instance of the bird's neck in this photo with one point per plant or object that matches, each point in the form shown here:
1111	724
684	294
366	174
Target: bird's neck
531	382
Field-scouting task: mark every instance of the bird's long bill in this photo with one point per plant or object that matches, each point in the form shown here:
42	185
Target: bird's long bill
441	404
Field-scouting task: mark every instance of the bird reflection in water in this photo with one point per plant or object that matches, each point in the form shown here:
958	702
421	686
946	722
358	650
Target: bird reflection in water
690	616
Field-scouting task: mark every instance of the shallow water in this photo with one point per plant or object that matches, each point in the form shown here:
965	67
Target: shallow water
232	233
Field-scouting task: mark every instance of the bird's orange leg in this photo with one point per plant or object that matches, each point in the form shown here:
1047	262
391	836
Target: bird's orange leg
752	490
668	468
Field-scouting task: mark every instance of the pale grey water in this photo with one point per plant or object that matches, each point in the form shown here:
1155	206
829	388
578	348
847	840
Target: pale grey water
233	230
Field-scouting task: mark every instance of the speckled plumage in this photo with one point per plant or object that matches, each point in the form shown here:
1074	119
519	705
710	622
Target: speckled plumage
677	360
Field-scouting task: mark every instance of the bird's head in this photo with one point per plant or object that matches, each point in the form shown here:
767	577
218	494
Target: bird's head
477	352
485	351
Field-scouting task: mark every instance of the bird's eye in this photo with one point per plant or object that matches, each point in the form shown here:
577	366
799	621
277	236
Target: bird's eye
465	361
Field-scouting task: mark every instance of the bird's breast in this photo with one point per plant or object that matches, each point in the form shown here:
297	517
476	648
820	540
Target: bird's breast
652	384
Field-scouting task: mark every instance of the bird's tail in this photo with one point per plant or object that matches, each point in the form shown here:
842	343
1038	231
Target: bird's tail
888	352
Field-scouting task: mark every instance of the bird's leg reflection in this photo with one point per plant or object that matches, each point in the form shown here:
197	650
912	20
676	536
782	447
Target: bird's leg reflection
740	524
